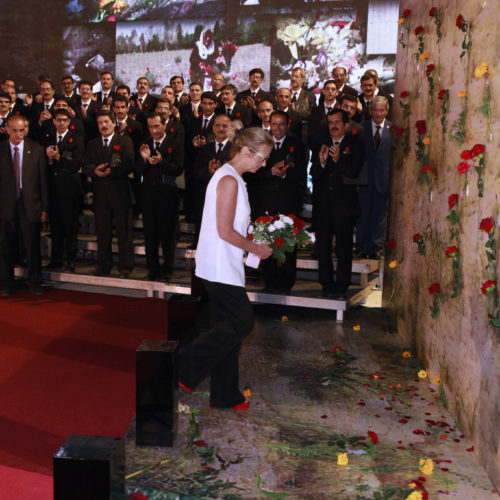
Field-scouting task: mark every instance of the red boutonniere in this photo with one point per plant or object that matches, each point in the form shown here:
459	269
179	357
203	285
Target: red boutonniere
116	147
307	97
70	140
18	112
72	127
74	101
289	122
130	116
292	149
258	99
354	131
169	150
146	105
172	130
347	150
96	110
238	115
129	130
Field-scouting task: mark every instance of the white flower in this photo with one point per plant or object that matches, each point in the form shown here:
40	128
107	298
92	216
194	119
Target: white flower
250	229
312	236
279	224
286	219
272	227
184	408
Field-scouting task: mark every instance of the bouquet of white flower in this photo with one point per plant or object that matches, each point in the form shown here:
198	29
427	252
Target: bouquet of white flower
283	233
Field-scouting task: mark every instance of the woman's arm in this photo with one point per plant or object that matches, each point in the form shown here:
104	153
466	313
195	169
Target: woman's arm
227	194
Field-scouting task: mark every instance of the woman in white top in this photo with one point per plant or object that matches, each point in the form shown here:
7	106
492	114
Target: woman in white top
219	263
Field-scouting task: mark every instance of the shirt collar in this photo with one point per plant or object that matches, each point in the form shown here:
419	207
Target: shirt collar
161	140
224	142
62	135
374	126
109	138
20	146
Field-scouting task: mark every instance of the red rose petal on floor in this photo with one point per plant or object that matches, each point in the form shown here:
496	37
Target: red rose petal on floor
403	421
444	469
307	375
388	408
400	448
201	442
361	403
470	449
324	416
376	415
443	436
418	431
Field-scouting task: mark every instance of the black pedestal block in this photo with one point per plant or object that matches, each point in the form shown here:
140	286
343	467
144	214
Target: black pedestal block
156	393
183	317
90	467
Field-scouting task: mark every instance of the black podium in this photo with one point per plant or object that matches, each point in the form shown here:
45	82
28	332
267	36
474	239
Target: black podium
90	467
156	393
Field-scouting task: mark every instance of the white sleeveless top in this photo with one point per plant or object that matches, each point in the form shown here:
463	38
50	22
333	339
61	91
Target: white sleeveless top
216	259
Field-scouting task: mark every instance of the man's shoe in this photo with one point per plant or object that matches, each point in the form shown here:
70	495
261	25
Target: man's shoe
124	274
242	406
101	272
53	265
184	388
69	267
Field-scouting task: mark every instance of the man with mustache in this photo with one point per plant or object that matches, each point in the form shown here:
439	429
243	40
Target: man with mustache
334	168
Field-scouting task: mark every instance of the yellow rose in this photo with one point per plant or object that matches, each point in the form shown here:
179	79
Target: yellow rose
342	459
393	264
415	495
247	393
407	354
427	140
481	70
402	20
424	56
356	328
284	319
412	486
437	380
422	374
462	93
426	466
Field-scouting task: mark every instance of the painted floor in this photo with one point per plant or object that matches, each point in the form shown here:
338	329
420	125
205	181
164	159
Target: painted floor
336	413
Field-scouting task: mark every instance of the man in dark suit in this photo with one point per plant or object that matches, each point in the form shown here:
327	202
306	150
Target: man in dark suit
177	83
23	202
106	93
88	110
264	112
339	75
232	109
284	103
338	160
254	95
5	102
161	162
65	152
349	103
69	92
217	82
279	188
211	155
318	126
372	224
41	111
369	87
108	161
174	128
143	98
303	100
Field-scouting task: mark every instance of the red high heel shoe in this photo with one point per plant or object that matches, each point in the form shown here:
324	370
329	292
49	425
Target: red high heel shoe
242	406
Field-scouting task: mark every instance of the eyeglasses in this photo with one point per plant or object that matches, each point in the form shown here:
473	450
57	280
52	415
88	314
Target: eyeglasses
258	153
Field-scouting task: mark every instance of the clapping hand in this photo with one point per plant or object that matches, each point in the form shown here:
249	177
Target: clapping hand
145	152
279	168
53	153
213	165
102	170
156	158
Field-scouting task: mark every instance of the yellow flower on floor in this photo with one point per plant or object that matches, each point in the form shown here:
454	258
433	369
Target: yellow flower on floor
424	56
481	70
426	466
183	408
462	93
412	486
284	319
247	393
342	459
402	20
427	140
437	380
407	355
415	495
356	328
422	374
393	264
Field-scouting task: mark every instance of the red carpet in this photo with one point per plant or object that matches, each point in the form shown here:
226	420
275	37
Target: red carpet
67	366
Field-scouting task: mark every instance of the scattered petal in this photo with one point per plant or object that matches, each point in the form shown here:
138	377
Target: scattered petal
356	328
342	459
422	374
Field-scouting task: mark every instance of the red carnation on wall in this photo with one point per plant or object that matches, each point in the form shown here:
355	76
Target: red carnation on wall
451	251
406	13
279	242
337	349
404	94
400	131
463	167
430	68
433	11
416	237
418	30
426	169
442	94
434	288
466	155
452	200
421	127
477	149
487	225
391	244
489	286
460	22
373	437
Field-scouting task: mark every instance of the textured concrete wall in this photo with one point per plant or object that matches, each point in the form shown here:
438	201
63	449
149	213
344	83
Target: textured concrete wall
459	344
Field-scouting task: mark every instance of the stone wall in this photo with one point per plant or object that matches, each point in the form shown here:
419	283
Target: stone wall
459	344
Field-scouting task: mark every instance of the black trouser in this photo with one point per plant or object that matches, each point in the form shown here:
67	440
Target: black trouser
216	351
330	224
64	210
160	207
29	231
104	212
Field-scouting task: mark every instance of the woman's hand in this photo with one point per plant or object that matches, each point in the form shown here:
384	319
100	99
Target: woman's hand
262	251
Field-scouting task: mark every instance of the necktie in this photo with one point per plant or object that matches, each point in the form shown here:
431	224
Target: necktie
294	98
328	109
140	100
219	147
85	105
228	111
59	139
17	172
46	107
1	121
254	94
157	145
336	143
205	123
376	137
104	97
277	146
105	143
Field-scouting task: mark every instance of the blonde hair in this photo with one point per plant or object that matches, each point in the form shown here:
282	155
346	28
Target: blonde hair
253	138
234	127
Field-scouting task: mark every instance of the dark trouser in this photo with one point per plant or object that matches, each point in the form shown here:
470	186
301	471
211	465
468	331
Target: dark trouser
160	206
342	227
371	227
10	232
104	212
64	209
280	277
216	351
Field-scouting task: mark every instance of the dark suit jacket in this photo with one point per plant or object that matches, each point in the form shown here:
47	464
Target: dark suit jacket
305	102
148	104
275	194
261	95
205	154
317	129
48	131
331	188
365	113
99	96
75	101
378	160
239	112
165	172
90	121
63	174
119	155
34	181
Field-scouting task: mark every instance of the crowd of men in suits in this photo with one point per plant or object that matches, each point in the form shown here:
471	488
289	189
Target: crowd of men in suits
134	151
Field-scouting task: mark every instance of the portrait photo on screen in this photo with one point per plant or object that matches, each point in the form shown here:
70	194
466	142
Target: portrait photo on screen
88	51
194	49
129	10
